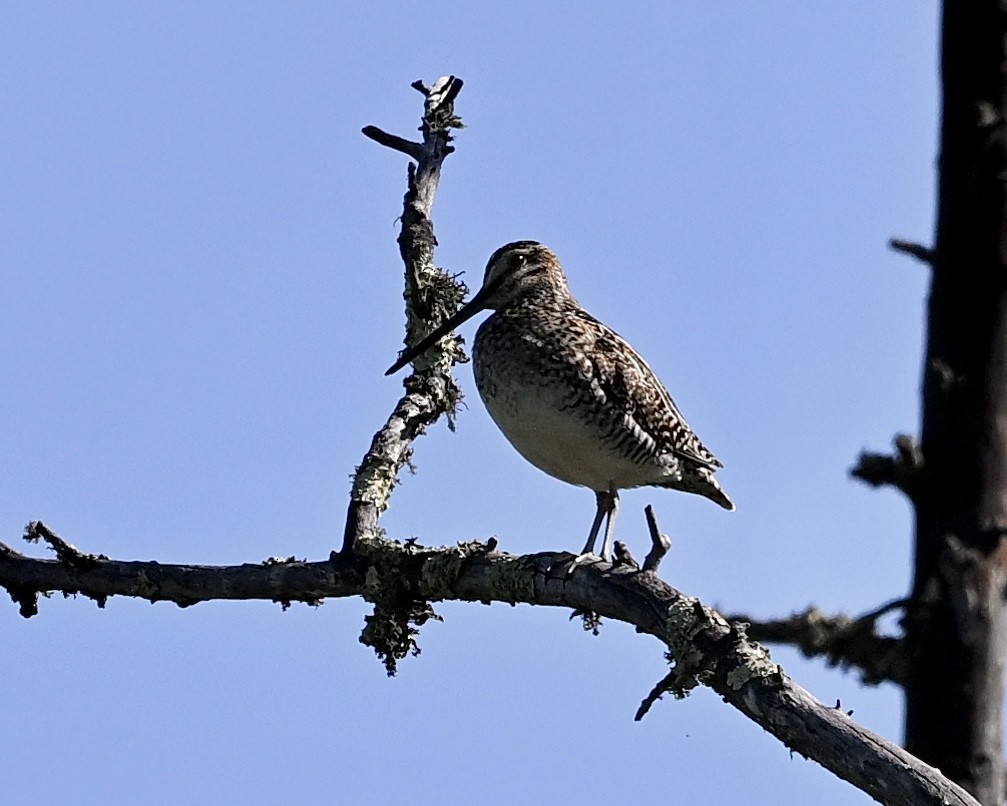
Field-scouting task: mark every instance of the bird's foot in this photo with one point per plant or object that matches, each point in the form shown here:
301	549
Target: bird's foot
584	558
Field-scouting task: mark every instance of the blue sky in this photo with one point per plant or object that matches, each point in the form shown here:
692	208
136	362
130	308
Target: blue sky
202	291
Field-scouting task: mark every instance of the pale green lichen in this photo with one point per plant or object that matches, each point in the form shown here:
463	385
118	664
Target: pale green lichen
758	665
681	629
392	629
683	683
681	626
688	619
740	675
441	570
374	481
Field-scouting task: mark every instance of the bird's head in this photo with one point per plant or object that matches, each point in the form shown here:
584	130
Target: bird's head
516	270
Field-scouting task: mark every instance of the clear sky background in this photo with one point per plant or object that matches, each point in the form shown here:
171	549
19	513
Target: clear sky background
202	289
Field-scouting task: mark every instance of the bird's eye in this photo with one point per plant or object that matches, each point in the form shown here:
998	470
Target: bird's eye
518	260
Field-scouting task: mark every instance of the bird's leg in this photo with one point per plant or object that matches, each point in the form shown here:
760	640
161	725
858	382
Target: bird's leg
608	506
602	500
613	510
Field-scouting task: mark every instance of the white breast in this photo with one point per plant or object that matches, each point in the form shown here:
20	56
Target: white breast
564	445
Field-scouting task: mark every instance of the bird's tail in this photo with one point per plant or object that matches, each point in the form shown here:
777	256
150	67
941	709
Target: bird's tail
700	480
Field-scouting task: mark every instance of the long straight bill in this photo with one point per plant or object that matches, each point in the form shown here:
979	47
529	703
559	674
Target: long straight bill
466	312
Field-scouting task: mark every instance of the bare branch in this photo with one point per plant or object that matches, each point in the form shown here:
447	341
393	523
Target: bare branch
393	141
65	552
621	555
668	684
278	580
842	640
660	542
431	296
707	649
922	253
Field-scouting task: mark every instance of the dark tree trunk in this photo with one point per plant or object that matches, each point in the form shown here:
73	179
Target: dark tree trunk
958	623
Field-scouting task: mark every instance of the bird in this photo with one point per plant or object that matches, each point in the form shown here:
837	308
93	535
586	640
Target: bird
570	394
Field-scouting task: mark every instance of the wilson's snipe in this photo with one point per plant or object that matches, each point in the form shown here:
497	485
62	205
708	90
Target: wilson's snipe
570	394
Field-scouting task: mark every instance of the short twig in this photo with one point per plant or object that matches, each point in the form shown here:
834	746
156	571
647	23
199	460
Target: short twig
871	616
65	552
660	542
393	141
901	469
622	556
922	253
663	686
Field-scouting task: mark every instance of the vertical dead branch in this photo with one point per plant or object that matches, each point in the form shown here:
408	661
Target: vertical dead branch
430	296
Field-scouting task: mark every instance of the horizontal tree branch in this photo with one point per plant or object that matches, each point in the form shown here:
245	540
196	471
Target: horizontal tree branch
98	577
706	648
842	640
